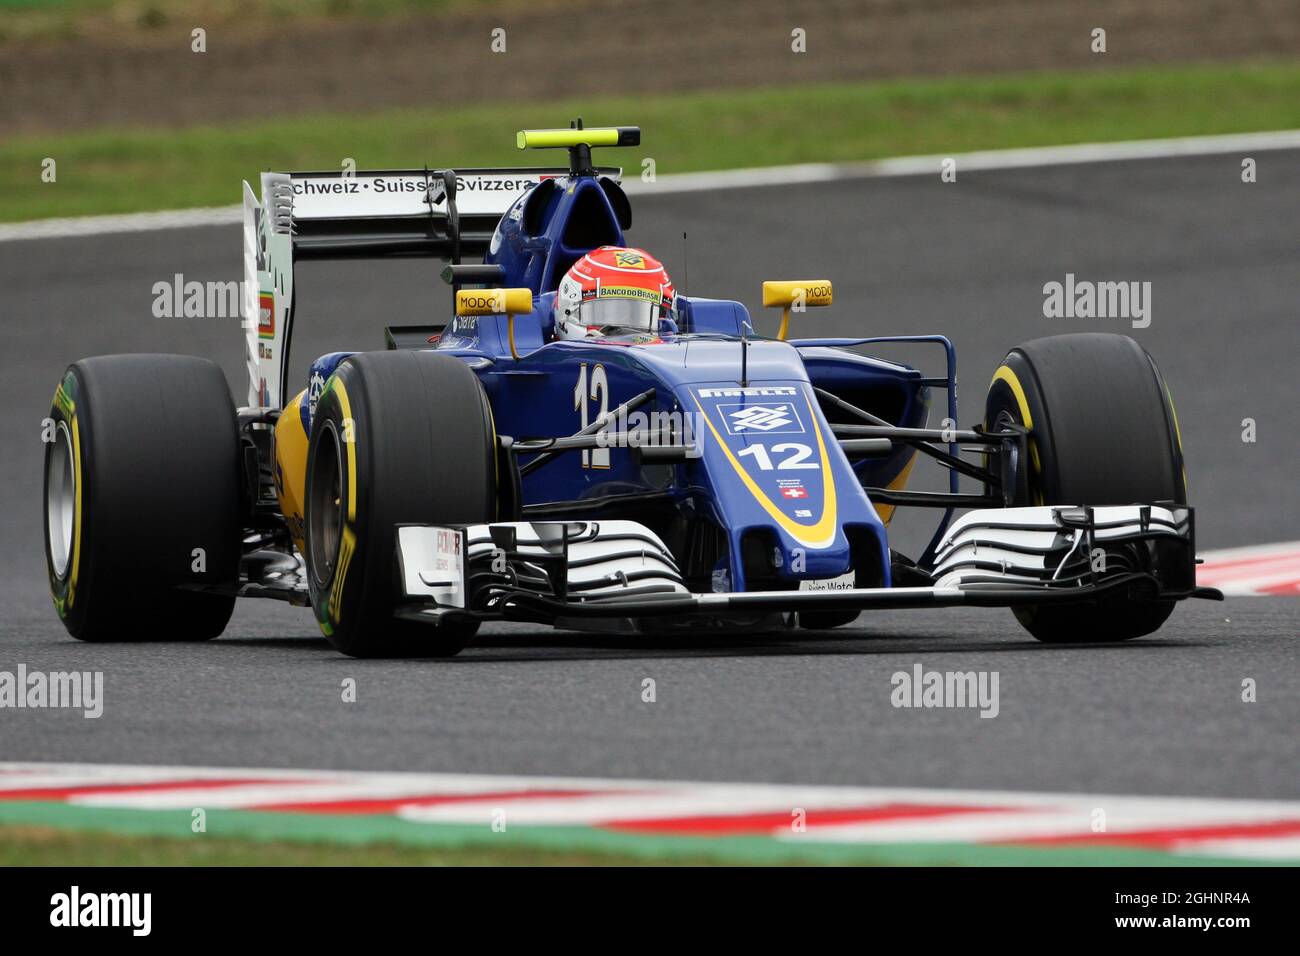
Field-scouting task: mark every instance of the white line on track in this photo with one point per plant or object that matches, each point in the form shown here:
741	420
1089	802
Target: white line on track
673	184
970	162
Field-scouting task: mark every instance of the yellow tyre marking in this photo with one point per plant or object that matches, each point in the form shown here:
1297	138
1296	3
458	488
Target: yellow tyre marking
1178	434
76	508
347	546
819	535
1004	374
348	542
349	439
65	404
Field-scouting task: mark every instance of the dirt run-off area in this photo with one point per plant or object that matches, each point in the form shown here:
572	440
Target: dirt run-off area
257	68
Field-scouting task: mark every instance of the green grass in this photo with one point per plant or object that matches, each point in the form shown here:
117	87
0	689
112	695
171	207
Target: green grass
124	171
51	833
49	846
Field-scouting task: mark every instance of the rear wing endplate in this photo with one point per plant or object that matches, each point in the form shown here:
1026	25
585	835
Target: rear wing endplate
364	214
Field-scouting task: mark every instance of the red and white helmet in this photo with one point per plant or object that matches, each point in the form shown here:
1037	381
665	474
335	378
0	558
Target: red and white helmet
613	287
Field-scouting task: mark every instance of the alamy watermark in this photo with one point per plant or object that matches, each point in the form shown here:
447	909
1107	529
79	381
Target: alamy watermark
181	299
1085	299
948	689
658	429
75	690
130	910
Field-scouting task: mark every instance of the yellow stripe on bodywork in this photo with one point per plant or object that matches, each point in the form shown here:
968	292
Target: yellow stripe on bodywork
291	467
886	512
819	535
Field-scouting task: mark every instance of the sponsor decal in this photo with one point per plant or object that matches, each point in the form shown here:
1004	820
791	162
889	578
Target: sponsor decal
845	582
356	186
433	563
624	292
629	260
266	315
388	194
314	389
448	566
737	391
481	184
775	418
489	302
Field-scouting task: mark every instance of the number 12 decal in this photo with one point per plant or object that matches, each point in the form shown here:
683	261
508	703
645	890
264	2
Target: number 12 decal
795	461
592	457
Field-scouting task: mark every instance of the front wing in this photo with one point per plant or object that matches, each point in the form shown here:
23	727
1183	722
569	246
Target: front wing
584	571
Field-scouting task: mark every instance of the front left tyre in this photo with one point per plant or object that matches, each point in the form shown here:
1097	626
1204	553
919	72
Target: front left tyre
398	437
143	500
1102	431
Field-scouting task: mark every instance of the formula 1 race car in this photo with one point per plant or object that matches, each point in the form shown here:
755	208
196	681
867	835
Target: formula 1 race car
581	446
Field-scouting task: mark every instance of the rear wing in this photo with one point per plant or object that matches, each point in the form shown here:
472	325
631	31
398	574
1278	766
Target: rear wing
445	214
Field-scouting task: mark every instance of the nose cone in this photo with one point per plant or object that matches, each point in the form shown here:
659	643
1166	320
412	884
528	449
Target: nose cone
771	463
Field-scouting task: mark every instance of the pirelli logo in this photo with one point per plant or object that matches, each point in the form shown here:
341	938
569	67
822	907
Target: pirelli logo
748	390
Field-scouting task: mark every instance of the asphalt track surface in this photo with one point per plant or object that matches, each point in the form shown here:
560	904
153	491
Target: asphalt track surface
1162	715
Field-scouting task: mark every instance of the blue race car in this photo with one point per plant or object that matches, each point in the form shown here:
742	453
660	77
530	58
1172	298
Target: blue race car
585	447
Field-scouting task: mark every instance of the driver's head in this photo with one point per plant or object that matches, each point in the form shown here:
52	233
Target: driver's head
612	288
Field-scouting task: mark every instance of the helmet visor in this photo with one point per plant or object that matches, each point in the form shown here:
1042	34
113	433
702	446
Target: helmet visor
623	313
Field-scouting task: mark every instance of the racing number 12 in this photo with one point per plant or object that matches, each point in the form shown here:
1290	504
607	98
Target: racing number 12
796	461
592	457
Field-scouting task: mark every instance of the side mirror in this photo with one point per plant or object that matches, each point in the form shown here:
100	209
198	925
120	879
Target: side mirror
795	295
508	302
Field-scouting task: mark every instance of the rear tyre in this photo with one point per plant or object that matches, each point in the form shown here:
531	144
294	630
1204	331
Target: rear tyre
142	498
1102	431
399	437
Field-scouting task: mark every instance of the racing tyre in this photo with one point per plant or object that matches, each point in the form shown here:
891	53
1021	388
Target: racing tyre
1102	431
399	437
142	498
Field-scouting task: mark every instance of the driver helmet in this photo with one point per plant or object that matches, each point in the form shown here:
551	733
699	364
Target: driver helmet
613	288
